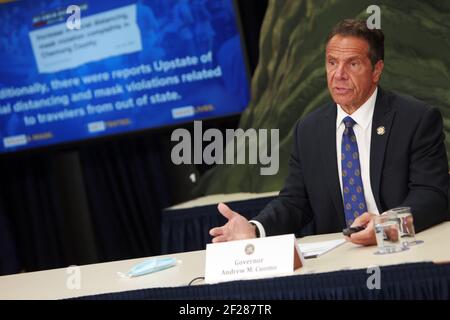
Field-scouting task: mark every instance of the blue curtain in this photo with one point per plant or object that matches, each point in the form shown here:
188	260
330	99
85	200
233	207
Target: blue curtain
32	215
9	263
124	182
127	190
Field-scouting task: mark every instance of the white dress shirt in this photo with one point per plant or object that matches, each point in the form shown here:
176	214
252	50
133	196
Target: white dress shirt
363	131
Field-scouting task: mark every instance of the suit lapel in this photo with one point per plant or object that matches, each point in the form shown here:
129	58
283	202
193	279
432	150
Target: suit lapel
381	128
329	159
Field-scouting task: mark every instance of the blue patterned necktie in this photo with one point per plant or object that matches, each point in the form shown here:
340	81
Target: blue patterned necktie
354	201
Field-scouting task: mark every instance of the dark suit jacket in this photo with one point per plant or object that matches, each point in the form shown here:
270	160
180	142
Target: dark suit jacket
408	167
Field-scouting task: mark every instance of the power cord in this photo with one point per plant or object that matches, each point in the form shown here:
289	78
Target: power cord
195	279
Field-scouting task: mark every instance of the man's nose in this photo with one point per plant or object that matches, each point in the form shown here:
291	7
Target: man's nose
341	74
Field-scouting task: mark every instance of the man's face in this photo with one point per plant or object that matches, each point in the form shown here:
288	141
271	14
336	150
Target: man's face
350	75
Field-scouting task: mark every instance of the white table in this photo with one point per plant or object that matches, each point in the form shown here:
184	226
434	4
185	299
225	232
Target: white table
103	278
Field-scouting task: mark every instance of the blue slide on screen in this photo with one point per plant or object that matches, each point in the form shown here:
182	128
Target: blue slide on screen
131	65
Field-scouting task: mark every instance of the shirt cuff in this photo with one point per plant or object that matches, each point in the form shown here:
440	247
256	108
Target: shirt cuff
262	232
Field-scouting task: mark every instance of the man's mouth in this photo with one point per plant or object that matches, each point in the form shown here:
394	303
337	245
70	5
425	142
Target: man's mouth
341	90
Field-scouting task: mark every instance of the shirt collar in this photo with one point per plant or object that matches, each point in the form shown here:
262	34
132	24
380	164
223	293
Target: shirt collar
362	116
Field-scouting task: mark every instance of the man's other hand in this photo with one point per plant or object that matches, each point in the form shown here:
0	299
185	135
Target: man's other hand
365	237
237	227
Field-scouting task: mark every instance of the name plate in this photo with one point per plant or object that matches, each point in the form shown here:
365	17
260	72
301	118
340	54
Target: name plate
252	258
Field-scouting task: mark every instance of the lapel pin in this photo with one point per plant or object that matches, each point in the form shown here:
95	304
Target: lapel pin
381	130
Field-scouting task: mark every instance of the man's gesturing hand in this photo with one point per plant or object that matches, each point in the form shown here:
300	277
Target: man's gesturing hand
237	227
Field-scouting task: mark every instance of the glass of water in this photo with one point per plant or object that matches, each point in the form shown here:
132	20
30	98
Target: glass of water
387	232
406	225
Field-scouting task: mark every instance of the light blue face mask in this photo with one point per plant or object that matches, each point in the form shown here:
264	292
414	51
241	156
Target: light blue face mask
149	266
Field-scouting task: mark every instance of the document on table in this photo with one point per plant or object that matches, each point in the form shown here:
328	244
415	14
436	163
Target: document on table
316	249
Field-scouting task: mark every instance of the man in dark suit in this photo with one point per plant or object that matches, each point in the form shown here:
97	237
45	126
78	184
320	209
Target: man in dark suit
368	151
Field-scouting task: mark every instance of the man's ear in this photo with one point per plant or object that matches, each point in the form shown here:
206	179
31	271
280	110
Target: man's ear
377	70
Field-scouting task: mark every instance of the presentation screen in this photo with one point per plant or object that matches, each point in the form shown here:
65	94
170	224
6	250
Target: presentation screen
75	71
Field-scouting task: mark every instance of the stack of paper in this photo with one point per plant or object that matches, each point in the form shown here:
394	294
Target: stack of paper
315	249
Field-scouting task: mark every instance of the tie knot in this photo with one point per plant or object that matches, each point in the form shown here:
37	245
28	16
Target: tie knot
349	122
